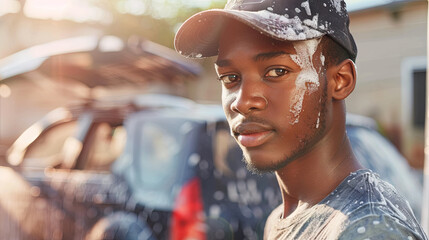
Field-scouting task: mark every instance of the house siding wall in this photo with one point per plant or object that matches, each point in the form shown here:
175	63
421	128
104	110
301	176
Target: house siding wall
388	37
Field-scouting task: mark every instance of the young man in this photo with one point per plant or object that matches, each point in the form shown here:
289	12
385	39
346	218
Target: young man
286	67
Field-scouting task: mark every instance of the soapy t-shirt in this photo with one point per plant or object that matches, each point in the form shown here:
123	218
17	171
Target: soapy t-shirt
362	207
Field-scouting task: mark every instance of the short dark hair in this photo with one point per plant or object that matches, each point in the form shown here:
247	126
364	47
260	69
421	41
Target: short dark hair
333	52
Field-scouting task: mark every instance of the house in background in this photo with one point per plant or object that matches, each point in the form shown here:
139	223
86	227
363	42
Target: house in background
391	63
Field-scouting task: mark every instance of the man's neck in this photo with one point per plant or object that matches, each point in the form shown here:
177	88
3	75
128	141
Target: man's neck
310	178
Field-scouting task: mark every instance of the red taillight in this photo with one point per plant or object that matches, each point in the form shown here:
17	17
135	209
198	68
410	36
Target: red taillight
188	213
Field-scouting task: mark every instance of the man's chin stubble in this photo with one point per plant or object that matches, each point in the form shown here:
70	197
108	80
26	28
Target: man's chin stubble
305	146
259	170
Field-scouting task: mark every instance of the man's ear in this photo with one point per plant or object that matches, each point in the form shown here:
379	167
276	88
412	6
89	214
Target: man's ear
344	79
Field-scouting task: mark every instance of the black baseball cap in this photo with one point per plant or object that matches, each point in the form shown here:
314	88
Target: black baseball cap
290	20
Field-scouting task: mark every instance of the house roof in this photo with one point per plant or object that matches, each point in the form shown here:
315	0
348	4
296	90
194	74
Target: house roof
358	5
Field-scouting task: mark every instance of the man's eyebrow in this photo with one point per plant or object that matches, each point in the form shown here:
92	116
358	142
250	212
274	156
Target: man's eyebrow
269	55
223	63
259	57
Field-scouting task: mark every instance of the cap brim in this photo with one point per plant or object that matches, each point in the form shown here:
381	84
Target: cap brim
198	37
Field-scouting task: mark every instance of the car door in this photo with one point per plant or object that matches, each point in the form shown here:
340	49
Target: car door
63	184
31	202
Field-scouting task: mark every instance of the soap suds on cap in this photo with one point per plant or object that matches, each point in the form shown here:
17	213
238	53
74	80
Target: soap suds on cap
313	22
291	29
337	5
306	6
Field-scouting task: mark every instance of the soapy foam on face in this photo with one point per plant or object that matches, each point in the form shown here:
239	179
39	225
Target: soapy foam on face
308	78
318	121
322	59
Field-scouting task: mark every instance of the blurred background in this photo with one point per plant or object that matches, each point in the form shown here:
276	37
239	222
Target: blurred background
390	34
24	24
391	38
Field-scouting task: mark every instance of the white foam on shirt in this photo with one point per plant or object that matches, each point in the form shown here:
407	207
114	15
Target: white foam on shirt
308	78
361	230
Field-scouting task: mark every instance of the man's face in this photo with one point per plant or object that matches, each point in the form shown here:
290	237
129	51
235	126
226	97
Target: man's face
274	95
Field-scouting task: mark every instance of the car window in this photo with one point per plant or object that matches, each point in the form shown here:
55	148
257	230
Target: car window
107	145
222	146
231	172
163	149
46	150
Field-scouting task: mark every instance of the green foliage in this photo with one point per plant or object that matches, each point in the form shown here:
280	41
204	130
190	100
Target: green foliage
156	20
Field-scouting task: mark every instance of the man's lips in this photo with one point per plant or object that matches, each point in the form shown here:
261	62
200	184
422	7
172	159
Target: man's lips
252	134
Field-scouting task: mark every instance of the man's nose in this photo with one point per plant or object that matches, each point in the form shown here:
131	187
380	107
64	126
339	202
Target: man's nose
250	97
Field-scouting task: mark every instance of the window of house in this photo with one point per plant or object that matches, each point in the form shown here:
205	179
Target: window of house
419	98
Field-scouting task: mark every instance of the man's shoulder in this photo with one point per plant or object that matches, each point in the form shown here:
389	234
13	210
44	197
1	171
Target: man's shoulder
375	209
364	193
382	227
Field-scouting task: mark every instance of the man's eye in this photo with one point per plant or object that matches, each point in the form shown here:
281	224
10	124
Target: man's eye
276	72
229	78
